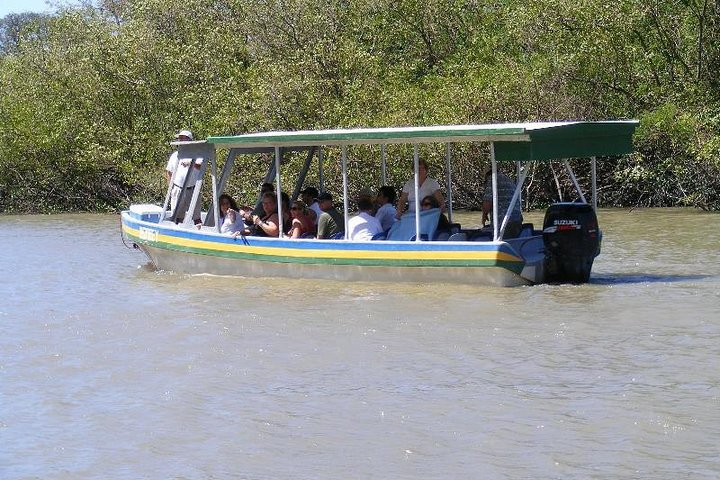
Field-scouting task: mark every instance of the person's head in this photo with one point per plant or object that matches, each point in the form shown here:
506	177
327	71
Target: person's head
429	202
184	136
367	194
266	187
309	195
365	204
325	201
386	194
226	202
285	199
422	170
298	208
269	203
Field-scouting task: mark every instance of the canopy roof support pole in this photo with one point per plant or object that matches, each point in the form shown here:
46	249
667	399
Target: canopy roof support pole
448	181
416	160
593	169
515	198
321	174
346	203
215	203
518	172
303	174
227	168
557	182
383	157
272	169
269	178
166	203
183	187
188	220
493	165
574	180
195	152
278	192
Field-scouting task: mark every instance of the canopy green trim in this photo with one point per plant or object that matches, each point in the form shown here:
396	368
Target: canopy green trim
513	141
571	140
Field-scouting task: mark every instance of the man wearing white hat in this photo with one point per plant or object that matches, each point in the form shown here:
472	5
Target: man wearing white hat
182	165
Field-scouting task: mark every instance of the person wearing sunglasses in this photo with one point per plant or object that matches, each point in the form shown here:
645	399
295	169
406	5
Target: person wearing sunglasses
301	222
430	202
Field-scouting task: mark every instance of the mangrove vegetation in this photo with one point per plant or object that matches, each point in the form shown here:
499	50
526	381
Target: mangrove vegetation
91	94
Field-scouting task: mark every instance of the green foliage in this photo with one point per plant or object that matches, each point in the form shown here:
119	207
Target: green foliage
92	94
676	164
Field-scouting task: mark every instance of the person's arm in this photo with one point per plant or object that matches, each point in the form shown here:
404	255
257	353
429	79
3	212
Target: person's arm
171	166
441	200
295	228
269	226
402	204
231	215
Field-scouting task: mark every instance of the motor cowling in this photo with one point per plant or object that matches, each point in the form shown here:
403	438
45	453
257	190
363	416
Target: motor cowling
572	241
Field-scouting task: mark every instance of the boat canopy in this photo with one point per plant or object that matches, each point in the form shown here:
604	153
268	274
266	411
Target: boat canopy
514	142
509	142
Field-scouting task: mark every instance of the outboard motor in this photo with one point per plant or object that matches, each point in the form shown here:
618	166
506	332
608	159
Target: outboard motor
572	241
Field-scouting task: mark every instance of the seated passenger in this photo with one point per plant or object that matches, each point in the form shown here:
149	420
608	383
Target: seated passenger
363	226
386	211
366	194
331	222
247	211
258	209
309	196
431	202
267	225
301	222
230	220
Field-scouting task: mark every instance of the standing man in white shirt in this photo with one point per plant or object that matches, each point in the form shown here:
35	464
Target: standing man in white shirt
182	165
428	186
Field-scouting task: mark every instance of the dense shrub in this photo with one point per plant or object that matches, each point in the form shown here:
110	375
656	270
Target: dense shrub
91	95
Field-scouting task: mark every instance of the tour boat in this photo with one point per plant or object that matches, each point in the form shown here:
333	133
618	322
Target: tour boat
562	250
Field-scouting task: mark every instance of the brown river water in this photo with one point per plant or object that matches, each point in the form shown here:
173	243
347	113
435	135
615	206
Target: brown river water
109	369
